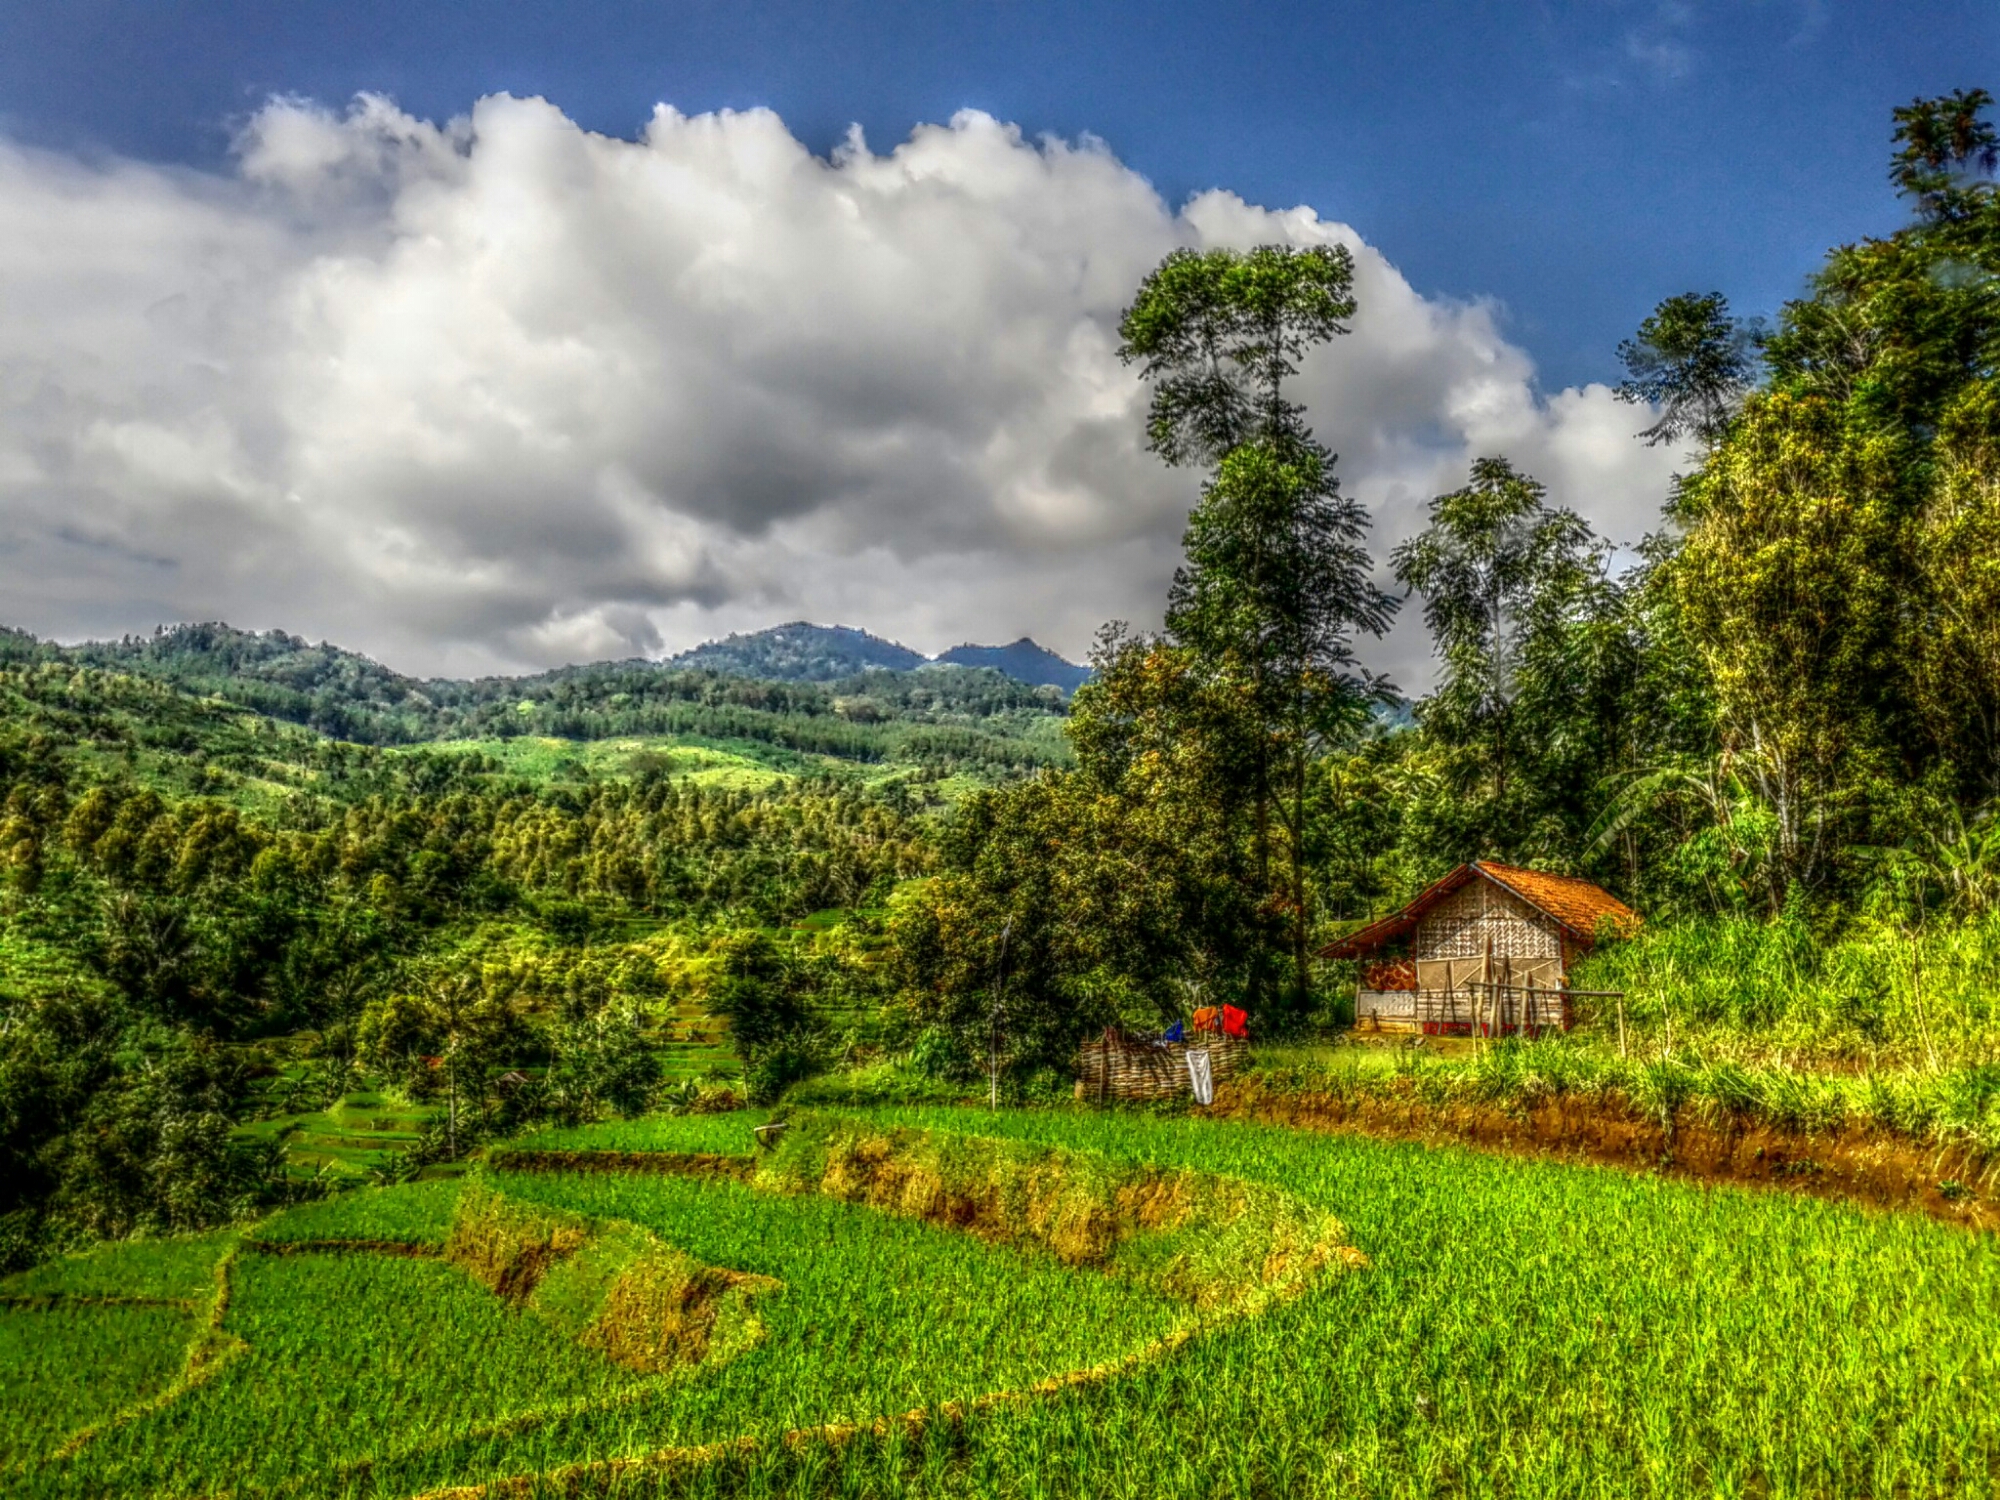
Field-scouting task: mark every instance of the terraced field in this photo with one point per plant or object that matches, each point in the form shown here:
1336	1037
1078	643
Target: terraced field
350	1139
1039	1303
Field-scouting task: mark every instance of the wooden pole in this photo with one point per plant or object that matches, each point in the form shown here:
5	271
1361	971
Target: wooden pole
1492	995
1621	1025
993	1041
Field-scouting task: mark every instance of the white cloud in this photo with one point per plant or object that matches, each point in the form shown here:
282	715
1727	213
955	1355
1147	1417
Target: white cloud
504	393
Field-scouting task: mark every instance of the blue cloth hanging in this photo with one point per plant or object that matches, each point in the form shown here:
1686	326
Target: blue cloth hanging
1176	1033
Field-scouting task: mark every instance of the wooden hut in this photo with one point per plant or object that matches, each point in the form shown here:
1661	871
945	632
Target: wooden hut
1487	949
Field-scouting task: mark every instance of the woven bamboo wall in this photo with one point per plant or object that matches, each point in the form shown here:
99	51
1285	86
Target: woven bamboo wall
1115	1066
1478	913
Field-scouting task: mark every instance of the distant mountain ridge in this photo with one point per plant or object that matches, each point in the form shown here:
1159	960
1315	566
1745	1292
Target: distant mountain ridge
800	651
790	669
1023	660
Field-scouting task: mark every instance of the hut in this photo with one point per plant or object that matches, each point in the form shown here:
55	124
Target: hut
1487	949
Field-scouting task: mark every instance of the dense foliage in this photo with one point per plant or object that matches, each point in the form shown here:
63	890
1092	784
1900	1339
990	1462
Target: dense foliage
1789	708
184	885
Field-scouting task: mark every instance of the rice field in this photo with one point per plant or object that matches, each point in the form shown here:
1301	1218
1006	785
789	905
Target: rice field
1519	1329
350	1139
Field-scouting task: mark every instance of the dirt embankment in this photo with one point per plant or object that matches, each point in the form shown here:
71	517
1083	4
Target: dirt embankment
660	1163
1950	1183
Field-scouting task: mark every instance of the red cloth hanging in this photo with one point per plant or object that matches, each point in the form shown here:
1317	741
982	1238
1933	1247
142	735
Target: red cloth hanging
1226	1020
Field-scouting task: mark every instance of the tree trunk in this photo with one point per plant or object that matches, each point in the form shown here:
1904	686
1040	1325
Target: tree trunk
1301	928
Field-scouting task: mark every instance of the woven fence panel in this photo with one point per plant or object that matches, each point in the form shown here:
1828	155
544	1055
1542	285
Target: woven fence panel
1116	1066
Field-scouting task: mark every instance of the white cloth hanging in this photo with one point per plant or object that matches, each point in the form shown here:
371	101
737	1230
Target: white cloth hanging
1201	1076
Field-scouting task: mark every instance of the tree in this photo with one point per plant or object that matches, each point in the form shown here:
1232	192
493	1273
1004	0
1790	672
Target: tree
1528	630
1693	359
1788	582
765	992
1217	333
443	1037
1096	903
1276	582
1942	141
601	1060
1835	579
1275	586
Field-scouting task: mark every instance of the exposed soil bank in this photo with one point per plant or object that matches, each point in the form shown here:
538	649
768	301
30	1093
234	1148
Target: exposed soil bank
1950	1183
663	1163
406	1248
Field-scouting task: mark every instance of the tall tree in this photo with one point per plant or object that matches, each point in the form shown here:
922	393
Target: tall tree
1941	143
1276	583
1835	576
1217	333
1691	359
1528	630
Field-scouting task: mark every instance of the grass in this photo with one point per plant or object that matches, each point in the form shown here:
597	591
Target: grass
86	1336
179	1269
414	1213
1523	1329
1752	991
347	1358
64	1367
350	1139
1957	1107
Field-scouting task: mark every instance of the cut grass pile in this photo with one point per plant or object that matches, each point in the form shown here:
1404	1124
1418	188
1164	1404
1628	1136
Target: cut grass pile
1523	1329
1210	1241
611	1285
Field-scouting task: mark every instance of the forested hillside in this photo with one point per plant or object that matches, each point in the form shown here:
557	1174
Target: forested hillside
212	914
946	718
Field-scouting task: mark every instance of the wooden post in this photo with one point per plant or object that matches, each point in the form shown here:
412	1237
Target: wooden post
1492	995
1621	1025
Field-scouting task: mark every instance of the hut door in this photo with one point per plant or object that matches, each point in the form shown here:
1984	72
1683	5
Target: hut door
1439	978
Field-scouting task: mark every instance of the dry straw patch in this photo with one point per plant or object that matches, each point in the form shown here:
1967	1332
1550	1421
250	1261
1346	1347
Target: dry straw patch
1207	1240
613	1286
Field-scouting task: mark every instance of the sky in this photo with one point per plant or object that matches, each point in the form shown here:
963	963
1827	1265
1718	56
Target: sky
488	338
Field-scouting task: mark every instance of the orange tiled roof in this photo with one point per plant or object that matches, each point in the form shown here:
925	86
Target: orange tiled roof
1578	904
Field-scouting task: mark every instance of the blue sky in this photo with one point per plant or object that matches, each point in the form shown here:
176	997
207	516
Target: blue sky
1575	160
317	319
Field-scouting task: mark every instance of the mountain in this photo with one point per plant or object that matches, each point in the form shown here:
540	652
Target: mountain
801	652
1024	661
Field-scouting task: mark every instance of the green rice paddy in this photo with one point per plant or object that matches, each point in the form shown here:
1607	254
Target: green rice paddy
350	1139
1521	1328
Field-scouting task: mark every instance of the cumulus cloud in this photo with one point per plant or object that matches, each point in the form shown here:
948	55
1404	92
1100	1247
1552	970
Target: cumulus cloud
503	393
